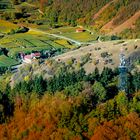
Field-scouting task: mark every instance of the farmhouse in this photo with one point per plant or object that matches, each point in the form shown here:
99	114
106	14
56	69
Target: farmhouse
29	58
79	30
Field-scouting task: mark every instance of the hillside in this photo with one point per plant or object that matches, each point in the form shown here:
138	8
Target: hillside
104	16
68	104
69	70
129	23
118	16
101	10
95	53
107	16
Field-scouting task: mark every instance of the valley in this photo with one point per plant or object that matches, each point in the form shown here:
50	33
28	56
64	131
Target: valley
69	70
54	41
65	44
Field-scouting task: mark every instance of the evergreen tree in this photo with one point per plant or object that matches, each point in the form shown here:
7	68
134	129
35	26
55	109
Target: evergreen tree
130	86
39	85
99	94
92	77
25	87
106	76
136	81
122	103
6	107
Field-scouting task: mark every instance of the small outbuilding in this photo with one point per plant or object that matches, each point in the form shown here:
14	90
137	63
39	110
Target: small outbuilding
78	30
30	57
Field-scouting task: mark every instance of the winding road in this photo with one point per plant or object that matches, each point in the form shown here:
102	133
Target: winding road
62	37
58	36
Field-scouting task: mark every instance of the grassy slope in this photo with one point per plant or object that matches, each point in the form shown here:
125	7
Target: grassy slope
6	61
6	26
84	36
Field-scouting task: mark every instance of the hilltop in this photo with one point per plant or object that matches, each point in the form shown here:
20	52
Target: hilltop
102	54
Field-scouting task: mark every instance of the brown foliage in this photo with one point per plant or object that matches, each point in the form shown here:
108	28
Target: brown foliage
124	128
43	3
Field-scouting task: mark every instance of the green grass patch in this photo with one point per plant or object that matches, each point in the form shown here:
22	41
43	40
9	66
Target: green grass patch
66	29
6	26
4	80
59	30
7	61
43	27
64	43
83	36
10	45
71	33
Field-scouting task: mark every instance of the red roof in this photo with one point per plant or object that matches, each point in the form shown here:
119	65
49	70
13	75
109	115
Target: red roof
37	54
32	55
27	57
80	29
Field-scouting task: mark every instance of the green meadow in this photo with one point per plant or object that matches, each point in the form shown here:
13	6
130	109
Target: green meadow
70	32
7	61
82	36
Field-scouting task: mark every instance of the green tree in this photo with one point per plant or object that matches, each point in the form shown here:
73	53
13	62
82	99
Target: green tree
106	76
135	105
39	85
136	81
92	77
99	94
110	109
122	103
6	107
130	84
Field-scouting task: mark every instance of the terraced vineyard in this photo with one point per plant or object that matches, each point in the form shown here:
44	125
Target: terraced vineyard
5	6
28	42
31	41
